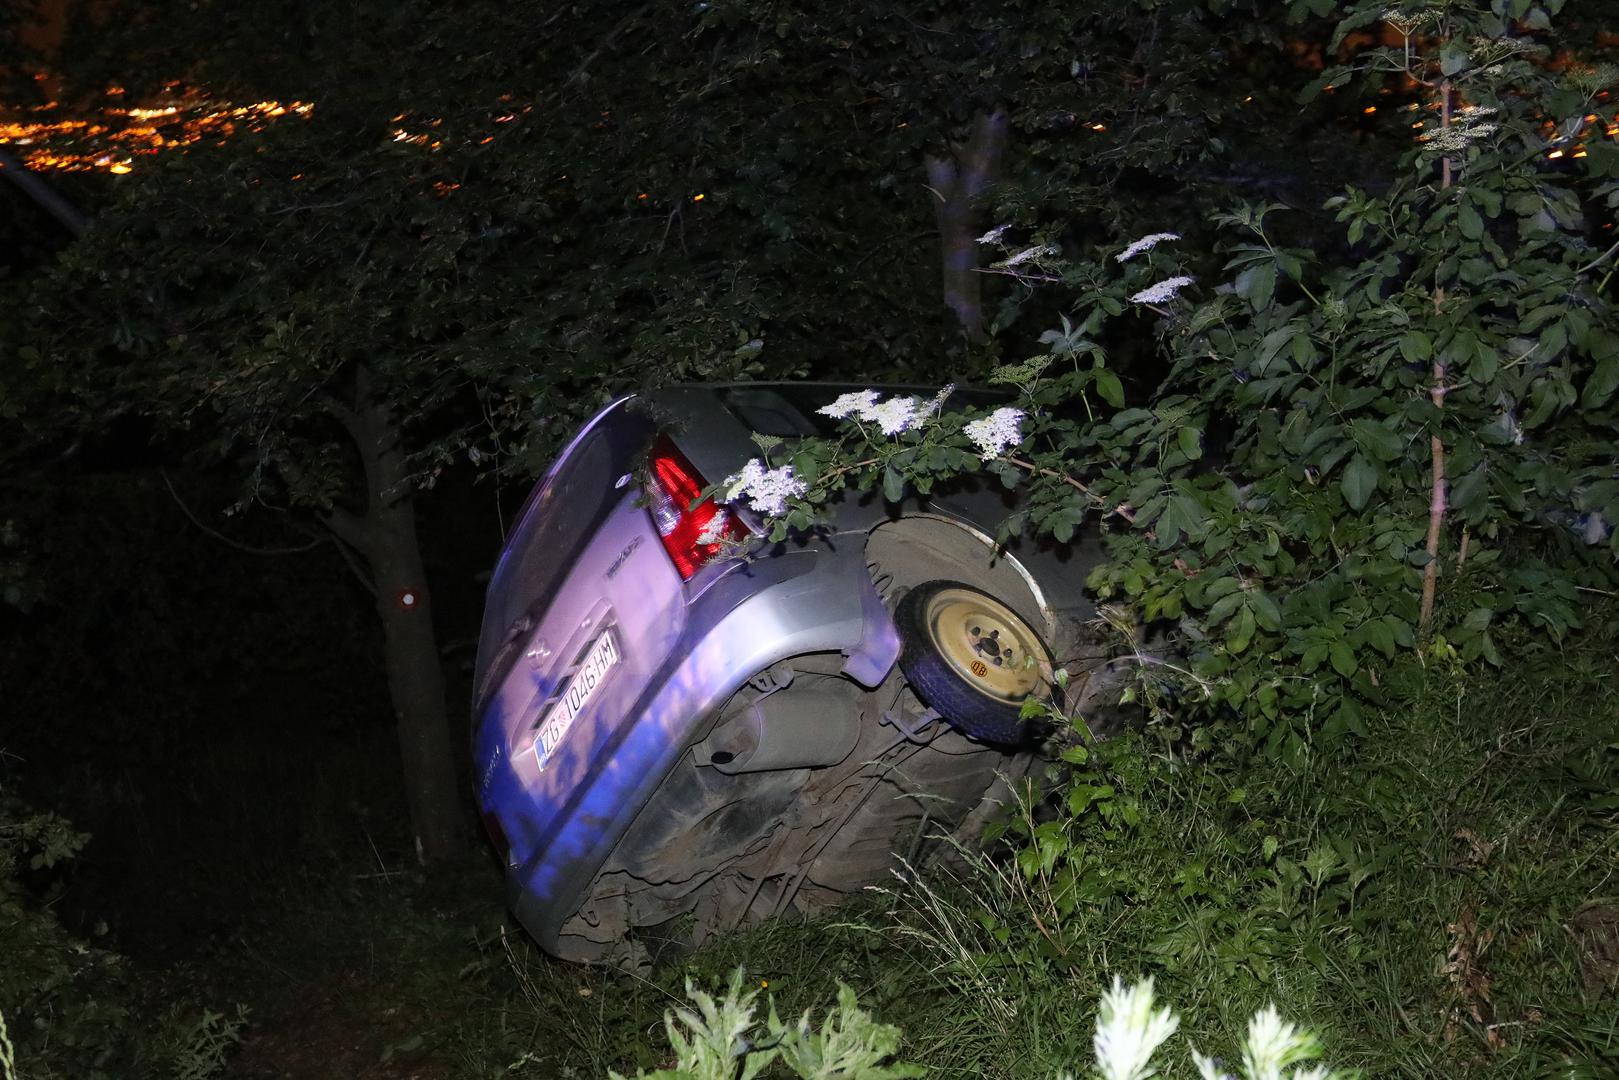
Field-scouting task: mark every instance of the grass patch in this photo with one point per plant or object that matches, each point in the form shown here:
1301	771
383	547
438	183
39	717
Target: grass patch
1436	898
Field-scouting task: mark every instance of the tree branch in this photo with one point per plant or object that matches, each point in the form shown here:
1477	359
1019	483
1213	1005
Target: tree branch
222	538
349	527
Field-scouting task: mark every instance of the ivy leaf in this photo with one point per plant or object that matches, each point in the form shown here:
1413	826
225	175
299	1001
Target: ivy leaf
1359	481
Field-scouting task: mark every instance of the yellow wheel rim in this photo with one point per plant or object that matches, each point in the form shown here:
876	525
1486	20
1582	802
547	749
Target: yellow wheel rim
987	644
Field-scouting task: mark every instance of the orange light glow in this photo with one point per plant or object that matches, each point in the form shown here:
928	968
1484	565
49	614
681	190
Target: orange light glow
698	197
1555	154
108	137
1369	110
1098	127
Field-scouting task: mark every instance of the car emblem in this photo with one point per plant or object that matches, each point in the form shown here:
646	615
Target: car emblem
623	556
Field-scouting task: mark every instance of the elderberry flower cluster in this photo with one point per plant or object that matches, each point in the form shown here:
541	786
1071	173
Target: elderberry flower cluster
896	415
767	490
996	433
1162	292
1146	243
1033	254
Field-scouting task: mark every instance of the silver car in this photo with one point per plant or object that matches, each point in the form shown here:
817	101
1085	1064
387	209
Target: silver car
675	736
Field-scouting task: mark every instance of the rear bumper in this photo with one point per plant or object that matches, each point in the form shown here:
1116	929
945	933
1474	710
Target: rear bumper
564	820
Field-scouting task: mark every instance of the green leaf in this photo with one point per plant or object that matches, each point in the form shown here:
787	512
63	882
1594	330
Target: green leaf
1342	657
1379	635
1111	389
1602	383
1472	225
1359	481
1191	442
1241	631
1453	57
1416	347
1376	437
893	484
1266	611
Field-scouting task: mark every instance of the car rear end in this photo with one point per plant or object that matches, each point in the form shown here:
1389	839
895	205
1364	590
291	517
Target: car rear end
610	634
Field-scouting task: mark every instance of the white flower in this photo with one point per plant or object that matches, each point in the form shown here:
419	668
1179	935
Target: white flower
1208	1068
995	433
767	490
858	404
1039	251
994	235
714	531
1163	291
1146	243
1273	1044
895	415
1128	1030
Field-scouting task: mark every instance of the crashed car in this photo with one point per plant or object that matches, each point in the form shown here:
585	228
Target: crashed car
681	727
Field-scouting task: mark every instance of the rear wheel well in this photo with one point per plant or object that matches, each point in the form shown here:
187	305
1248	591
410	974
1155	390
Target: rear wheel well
904	553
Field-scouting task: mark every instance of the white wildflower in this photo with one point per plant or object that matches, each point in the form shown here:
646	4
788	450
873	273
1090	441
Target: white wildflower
1208	1068
767	490
995	433
1273	1044
1146	243
857	404
1162	292
714	531
994	235
1129	1030
1039	251
936	406
897	414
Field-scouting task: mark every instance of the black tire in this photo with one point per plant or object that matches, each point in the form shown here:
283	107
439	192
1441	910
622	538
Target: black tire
979	682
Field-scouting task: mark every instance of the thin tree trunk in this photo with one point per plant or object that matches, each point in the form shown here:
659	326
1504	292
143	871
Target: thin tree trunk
1436	393
958	181
70	217
386	536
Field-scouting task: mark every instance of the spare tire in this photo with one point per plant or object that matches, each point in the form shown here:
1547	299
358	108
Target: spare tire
972	659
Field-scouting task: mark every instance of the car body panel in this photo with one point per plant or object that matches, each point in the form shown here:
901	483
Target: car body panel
586	560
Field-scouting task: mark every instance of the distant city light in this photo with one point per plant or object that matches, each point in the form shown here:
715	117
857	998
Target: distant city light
108	138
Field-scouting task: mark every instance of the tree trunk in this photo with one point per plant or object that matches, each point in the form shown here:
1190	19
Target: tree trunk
386	537
958	181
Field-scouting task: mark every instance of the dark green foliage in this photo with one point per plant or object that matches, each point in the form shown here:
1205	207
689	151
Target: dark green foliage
71	1009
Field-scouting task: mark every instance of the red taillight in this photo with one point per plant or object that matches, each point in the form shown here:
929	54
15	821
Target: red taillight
691	534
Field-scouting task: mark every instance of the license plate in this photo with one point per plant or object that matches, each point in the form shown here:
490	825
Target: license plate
599	659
